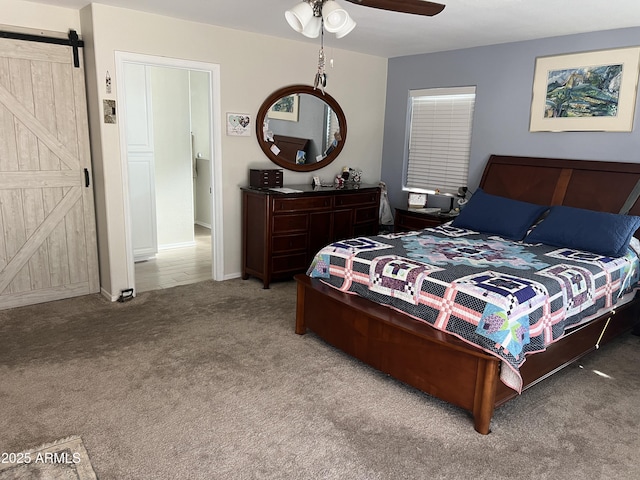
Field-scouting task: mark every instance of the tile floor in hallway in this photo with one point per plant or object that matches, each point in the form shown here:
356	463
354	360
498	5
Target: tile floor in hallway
177	266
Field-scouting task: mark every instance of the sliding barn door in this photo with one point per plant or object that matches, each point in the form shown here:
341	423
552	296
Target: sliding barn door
47	224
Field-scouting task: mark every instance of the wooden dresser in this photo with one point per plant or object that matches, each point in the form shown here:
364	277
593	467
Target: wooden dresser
281	232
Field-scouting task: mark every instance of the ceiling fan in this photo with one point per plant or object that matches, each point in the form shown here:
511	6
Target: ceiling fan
416	7
312	17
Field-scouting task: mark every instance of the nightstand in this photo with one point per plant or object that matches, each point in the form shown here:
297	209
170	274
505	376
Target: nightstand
408	220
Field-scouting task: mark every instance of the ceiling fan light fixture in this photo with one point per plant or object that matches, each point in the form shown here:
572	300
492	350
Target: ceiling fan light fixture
334	16
312	30
299	16
349	26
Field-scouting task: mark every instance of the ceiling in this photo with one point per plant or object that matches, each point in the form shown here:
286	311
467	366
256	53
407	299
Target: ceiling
462	24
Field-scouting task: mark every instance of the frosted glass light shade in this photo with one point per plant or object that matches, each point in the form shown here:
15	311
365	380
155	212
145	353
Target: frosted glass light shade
334	16
299	16
349	26
312	30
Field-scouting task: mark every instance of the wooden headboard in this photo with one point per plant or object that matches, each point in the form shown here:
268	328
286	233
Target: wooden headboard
289	146
594	185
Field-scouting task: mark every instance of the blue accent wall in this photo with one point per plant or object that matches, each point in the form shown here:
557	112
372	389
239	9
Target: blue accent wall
503	75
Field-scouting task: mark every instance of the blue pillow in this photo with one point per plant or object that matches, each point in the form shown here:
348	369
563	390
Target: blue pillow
603	233
486	213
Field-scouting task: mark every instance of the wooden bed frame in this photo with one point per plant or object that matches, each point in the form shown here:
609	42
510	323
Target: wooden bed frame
438	363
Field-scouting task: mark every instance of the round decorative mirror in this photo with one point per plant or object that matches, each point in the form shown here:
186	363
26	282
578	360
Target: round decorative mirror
300	128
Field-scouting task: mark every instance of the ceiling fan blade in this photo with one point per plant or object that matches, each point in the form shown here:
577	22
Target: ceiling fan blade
416	7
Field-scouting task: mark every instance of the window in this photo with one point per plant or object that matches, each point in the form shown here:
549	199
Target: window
332	127
440	138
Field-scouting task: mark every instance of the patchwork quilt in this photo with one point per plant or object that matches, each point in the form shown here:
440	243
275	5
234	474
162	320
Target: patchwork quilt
507	298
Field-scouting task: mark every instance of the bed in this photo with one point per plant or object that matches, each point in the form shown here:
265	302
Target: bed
289	146
414	348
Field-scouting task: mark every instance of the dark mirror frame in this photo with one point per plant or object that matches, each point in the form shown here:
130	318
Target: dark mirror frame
290	90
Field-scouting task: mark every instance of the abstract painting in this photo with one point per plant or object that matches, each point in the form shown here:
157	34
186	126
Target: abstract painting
285	108
592	91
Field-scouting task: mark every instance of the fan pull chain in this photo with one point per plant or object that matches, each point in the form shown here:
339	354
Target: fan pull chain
321	76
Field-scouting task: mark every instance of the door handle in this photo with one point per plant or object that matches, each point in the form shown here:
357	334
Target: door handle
86	177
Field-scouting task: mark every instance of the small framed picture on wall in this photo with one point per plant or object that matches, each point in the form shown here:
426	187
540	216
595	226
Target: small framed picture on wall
238	124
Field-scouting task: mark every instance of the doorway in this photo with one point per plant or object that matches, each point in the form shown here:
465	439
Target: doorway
170	149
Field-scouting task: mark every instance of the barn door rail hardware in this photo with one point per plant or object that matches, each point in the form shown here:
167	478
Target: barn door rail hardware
73	41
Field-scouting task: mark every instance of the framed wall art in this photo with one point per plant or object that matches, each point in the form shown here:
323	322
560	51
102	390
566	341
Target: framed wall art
285	108
590	91
238	124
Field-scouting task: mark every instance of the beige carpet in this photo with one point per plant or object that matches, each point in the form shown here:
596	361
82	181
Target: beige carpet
65	459
209	381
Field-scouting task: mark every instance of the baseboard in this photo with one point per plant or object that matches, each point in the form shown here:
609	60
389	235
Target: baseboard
143	258
202	224
171	246
108	296
231	276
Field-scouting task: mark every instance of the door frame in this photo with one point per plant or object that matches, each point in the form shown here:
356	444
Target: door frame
217	252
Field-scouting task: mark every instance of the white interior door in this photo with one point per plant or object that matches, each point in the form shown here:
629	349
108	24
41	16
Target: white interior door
141	160
47	224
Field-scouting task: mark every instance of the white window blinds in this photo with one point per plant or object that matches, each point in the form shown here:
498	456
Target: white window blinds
332	126
440	138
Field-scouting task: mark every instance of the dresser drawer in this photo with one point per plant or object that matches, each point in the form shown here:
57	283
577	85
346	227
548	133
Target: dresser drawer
287	243
290	223
297	204
356	199
364	215
290	263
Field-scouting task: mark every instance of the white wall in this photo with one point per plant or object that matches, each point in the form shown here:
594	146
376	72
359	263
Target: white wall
244	85
172	147
249	73
39	16
200	127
